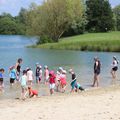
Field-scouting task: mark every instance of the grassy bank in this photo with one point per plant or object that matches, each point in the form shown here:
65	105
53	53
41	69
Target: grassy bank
88	42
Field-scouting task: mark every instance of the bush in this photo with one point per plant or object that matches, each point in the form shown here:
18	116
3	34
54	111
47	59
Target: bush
44	39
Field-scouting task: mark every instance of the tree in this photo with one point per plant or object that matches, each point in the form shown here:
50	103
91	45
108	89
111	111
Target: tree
9	25
54	17
116	11
99	15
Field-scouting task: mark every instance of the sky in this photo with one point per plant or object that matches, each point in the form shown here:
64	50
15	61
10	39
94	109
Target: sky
13	6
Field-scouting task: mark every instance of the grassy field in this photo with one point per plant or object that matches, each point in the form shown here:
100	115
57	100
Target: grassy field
88	42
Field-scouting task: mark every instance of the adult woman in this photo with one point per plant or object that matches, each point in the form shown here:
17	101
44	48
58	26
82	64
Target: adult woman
18	67
97	68
114	67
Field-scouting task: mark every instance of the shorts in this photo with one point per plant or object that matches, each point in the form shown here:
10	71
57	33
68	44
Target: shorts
12	80
52	86
1	81
73	83
24	88
97	72
38	78
46	78
115	68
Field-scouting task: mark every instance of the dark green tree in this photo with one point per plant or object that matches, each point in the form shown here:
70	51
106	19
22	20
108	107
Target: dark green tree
99	15
9	25
116	11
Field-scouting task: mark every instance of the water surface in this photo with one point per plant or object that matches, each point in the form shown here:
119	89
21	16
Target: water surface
13	47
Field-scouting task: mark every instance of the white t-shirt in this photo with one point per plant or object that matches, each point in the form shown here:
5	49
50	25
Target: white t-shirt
30	75
115	63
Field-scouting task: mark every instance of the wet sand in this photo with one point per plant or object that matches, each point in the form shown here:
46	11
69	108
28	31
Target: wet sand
94	104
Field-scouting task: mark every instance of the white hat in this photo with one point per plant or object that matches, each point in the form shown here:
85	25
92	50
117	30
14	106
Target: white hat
40	66
45	66
60	69
37	63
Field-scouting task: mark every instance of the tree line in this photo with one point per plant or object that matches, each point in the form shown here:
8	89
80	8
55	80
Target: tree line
60	18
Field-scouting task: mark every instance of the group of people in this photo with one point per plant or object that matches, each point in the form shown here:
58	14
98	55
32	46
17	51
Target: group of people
54	79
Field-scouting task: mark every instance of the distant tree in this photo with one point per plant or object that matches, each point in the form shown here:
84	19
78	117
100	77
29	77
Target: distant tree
99	15
54	17
9	25
116	11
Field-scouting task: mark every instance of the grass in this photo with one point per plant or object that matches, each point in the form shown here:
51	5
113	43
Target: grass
87	42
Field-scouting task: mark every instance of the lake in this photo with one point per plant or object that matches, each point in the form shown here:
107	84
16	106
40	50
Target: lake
14	46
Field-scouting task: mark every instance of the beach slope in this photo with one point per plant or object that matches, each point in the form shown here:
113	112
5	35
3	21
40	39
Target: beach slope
95	104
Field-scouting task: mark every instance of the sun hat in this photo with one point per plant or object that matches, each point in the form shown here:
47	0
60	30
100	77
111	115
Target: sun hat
45	66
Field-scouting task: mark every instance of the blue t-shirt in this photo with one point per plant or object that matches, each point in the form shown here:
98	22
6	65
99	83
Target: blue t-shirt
13	74
1	75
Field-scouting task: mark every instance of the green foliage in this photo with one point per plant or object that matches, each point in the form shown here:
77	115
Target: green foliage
88	42
99	15
116	11
11	25
54	17
44	39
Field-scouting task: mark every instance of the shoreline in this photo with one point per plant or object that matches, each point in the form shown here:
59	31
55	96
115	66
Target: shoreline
95	104
88	92
101	42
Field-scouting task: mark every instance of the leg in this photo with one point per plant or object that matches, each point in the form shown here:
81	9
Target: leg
95	78
113	74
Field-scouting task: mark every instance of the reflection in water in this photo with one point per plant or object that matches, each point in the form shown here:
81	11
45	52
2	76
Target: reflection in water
12	47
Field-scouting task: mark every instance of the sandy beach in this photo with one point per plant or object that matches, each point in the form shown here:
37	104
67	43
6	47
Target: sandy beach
95	104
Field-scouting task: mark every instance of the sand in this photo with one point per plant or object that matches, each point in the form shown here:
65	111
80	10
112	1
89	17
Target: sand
95	104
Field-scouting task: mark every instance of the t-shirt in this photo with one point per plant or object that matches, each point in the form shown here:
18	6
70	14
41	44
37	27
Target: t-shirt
23	80
30	75
63	79
34	92
1	75
115	63
52	79
46	74
13	74
37	71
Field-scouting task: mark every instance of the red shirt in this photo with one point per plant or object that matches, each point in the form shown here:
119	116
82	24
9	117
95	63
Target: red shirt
52	79
34	92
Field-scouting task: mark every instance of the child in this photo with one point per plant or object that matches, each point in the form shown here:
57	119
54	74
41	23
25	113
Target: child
23	81
12	75
52	78
78	87
46	74
38	73
63	82
58	74
30	76
32	93
1	79
73	82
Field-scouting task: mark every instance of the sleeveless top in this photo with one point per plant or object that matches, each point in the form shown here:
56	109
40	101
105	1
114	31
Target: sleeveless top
97	67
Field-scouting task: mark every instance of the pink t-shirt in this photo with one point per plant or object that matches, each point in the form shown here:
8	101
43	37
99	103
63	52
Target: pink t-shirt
63	79
46	74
